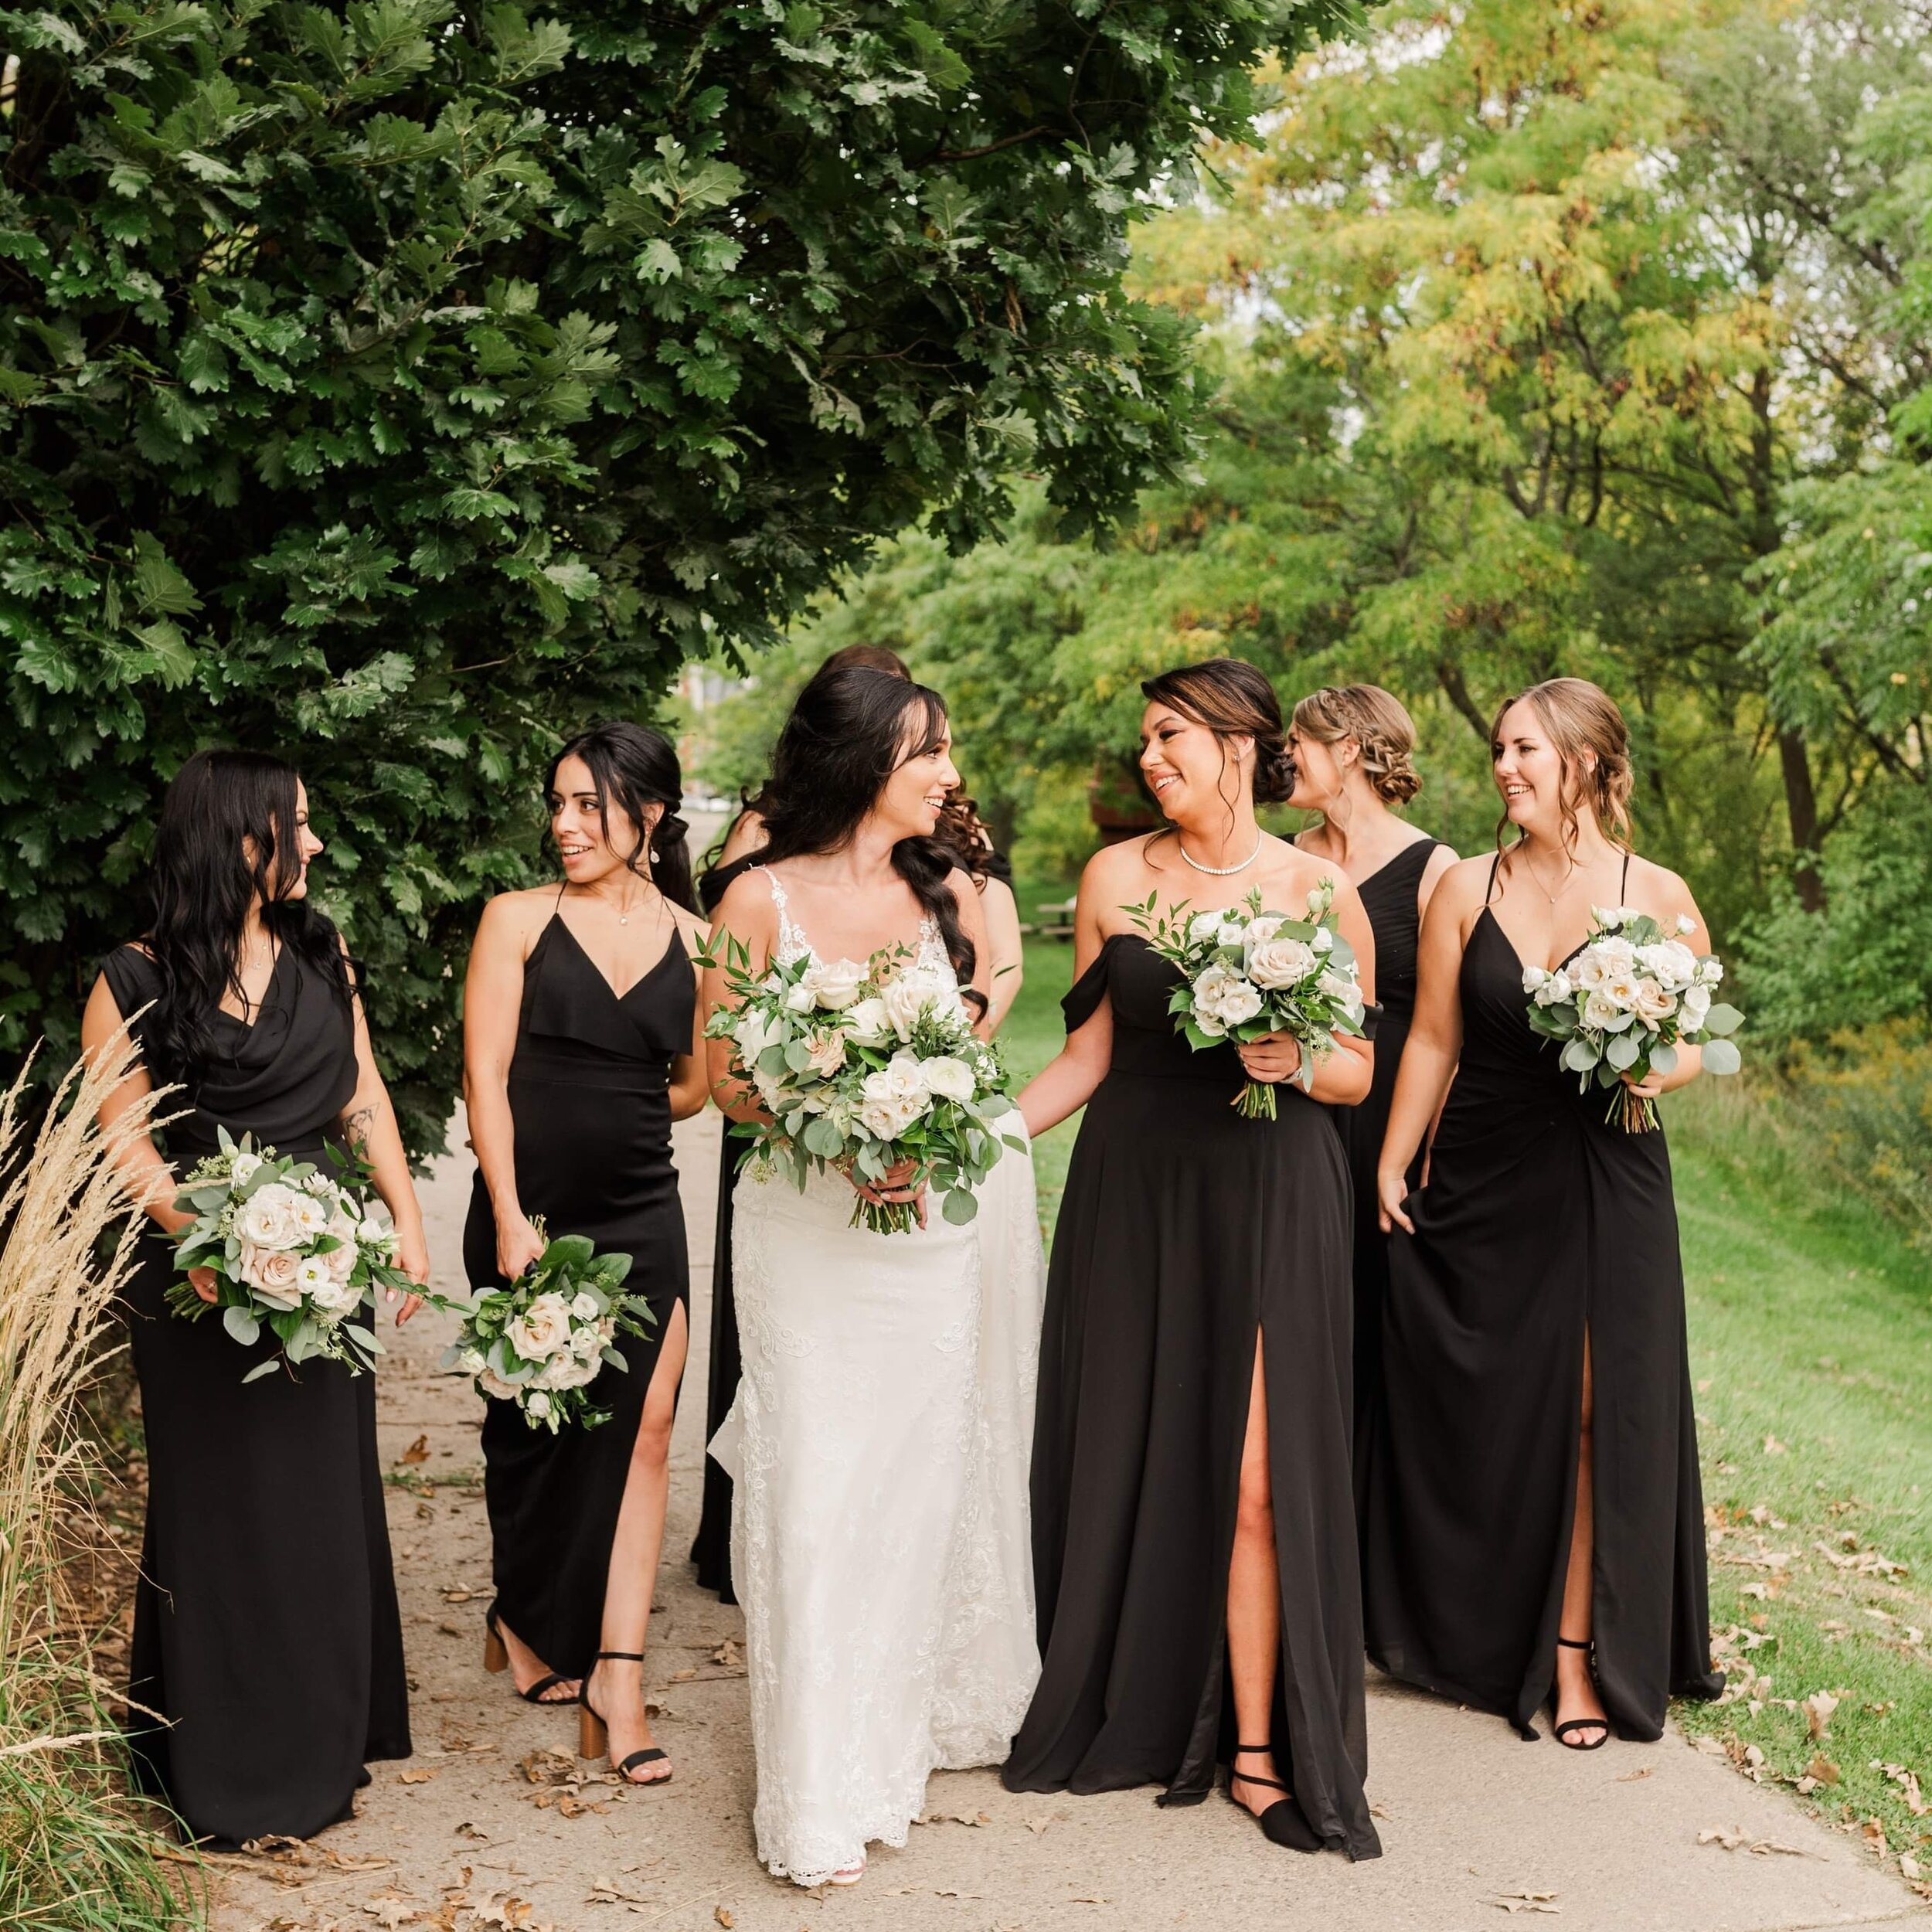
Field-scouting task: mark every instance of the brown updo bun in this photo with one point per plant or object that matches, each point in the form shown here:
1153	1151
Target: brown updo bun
1233	699
1380	726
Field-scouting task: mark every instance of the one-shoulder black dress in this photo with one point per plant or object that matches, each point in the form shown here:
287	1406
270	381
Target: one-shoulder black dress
1389	898
1186	1230
1541	1224
267	1639
590	1103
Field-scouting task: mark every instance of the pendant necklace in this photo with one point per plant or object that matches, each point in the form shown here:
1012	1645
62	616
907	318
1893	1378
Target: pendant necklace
1221	872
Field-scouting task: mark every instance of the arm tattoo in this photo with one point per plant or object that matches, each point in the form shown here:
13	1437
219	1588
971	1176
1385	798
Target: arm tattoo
356	1125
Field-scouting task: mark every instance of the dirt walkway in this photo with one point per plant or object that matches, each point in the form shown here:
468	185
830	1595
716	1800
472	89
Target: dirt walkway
494	1824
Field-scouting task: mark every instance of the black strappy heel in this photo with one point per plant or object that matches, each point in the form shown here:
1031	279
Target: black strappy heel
496	1660
593	1736
1282	1823
1562	1731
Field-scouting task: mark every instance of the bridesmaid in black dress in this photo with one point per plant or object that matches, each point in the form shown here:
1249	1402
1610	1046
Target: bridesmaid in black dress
582	1044
266	1641
1194	1542
1353	747
1535	1523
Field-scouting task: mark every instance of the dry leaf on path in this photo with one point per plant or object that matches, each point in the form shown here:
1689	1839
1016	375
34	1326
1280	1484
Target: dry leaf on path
388	1913
1737	1840
730	1653
724	1918
611	1891
1630	1777
422	1777
1527	1902
417	1452
1908	1782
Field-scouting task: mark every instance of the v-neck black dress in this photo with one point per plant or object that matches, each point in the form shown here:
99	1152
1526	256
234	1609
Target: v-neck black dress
590	1102
1186	1231
267	1638
1541	1224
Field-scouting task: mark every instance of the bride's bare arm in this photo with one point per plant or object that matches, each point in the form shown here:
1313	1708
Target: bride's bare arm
1067	1082
745	914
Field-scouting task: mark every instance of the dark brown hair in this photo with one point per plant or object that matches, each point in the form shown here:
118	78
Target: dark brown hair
1233	699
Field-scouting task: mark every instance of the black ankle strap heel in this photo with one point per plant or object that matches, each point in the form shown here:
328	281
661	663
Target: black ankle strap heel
593	1736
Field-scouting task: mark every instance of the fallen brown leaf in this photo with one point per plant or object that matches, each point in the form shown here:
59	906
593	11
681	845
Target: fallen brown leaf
422	1777
724	1918
1817	1709
417	1452
1630	1777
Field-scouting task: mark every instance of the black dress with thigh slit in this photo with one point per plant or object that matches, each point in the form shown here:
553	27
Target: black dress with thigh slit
1541	1224
1388	897
267	1645
1185	1231
590	1102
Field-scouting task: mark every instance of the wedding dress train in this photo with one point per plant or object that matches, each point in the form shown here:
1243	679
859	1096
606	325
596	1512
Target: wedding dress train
879	1447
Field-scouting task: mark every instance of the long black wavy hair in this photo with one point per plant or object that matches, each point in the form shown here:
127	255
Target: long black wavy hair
201	885
633	767
851	729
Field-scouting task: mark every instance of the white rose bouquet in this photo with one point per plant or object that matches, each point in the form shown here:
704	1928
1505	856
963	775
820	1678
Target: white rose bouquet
291	1249
541	1342
1624	1003
1245	974
863	1068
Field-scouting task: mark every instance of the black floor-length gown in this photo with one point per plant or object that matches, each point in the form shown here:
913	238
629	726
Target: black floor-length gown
590	1103
1541	1224
1388	897
1185	1231
267	1638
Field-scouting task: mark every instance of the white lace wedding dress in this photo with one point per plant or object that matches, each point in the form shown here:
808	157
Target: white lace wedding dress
879	1445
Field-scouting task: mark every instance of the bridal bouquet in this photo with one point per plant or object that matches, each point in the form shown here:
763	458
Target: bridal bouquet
292	1250
540	1342
1624	1003
1245	973
862	1067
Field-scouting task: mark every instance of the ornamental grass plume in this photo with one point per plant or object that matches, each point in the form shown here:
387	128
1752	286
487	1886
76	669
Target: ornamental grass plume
77	1852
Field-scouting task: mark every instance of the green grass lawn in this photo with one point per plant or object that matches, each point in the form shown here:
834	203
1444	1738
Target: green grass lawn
1811	1338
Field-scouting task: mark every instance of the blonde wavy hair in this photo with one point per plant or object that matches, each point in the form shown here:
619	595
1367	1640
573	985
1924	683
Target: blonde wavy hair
1581	719
1379	725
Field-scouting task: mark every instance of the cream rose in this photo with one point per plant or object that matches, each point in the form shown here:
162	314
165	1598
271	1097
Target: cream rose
1205	928
905	999
583	1307
543	1328
1655	1003
274	1273
826	1049
267	1219
1696	1008
1276	963
243	1168
493	1384
1670	963
1223	999
866	1023
948	1078
835	984
538	1404
1553	989
1603	1013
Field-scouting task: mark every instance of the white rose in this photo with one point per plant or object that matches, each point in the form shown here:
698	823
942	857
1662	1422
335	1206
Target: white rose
543	1328
537	1403
1324	939
1263	928
885	1120
493	1384
798	998
1554	987
1605	1014
268	1219
1345	991
1280	962
274	1273
948	1078
1710	972
585	1343
905	999
309	1214
334	1298
754	1031
866	1021
1670	962
1620	988
1685	923
1655	1003
1233	930
826	1047
583	1307
834	983
1223	999
1589	970
1204	929
340	1262
1697	1006
244	1167
471	1363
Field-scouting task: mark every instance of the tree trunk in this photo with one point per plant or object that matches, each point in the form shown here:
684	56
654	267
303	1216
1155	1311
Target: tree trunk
1800	804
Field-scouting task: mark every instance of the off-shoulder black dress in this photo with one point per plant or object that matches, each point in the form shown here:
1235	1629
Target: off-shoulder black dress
1542	1224
267	1639
590	1101
1185	1231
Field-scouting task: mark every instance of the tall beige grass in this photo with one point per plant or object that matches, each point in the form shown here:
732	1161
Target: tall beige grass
76	1852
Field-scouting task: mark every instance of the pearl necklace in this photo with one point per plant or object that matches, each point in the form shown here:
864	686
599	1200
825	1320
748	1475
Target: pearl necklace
1221	872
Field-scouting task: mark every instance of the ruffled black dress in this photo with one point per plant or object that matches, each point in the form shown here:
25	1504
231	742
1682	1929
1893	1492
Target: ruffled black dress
590	1101
267	1638
1541	1224
1186	1230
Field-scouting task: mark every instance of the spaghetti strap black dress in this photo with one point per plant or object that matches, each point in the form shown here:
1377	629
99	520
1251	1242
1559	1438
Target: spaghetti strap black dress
1541	1224
1185	1231
1388	897
590	1103
267	1639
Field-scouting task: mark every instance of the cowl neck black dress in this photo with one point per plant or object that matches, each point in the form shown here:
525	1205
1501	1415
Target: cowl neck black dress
591	1101
267	1638
1540	1223
1185	1231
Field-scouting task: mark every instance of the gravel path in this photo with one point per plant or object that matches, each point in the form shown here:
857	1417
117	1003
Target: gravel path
494	1823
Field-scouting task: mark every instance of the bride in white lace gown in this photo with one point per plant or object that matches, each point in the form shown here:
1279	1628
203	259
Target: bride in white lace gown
880	1441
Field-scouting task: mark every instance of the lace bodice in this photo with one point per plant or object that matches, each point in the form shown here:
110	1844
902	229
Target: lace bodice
794	945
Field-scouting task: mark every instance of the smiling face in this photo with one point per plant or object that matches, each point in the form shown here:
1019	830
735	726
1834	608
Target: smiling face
1190	770
911	801
1538	794
305	848
587	852
1320	771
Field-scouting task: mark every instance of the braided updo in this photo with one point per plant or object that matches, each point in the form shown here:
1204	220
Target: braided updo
1382	729
1233	699
1581	717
